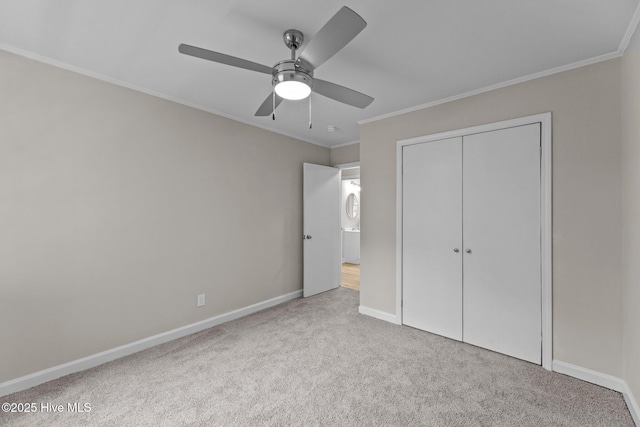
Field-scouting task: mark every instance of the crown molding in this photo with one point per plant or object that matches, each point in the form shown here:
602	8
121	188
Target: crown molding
101	77
345	144
631	29
507	83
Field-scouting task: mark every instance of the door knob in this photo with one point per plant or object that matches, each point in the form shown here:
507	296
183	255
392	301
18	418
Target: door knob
468	251
308	236
456	250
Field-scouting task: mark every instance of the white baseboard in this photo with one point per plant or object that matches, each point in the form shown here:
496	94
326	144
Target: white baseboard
32	380
594	377
632	404
387	317
603	380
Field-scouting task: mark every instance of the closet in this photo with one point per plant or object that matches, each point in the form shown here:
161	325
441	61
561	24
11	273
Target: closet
471	239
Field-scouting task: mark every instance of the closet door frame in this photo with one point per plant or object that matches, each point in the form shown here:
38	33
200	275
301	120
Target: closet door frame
545	215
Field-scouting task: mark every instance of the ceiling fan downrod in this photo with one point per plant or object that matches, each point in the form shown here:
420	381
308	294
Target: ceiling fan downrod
293	39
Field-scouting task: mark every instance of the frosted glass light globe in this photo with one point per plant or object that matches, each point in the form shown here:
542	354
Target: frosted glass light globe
292	90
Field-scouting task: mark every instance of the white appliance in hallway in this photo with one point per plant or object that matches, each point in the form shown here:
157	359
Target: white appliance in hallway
351	246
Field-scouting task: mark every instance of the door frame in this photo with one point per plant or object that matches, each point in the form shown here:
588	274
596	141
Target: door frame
545	215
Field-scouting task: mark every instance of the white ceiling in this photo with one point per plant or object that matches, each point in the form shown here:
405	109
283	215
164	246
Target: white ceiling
412	52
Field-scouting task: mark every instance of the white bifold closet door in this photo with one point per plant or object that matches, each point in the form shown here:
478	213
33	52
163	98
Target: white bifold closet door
486	273
432	230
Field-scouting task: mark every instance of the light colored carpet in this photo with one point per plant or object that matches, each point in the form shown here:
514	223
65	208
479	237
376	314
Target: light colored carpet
316	361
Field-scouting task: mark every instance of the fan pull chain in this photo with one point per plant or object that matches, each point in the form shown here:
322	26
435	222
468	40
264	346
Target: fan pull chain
273	112
310	124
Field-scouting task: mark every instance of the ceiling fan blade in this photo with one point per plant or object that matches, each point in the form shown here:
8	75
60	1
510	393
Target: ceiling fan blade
223	59
336	33
341	93
267	106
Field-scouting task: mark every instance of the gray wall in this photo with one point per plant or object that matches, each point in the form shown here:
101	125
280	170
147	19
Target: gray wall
631	210
118	208
346	154
587	212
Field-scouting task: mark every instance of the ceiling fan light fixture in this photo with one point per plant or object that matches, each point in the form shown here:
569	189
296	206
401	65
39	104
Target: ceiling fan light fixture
291	82
292	90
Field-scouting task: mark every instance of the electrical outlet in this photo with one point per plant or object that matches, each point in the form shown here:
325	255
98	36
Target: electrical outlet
201	300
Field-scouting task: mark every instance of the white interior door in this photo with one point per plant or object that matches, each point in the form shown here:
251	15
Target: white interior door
321	228
432	237
502	278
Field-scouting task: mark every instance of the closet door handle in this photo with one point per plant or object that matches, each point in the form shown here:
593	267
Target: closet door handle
468	251
456	250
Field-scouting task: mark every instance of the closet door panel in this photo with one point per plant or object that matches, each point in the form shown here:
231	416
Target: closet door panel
502	279
432	221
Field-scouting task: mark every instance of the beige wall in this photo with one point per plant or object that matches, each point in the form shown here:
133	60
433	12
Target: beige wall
587	281
631	211
351	172
118	208
346	154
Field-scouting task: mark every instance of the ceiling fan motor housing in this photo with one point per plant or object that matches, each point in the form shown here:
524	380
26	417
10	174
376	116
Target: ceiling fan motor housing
289	70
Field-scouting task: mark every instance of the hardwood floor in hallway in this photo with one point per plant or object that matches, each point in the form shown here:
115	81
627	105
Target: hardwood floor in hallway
350	276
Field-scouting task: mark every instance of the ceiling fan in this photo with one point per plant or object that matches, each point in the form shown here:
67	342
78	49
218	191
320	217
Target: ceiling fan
293	78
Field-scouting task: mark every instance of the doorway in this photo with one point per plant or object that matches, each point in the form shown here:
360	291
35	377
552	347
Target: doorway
350	208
